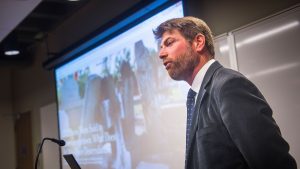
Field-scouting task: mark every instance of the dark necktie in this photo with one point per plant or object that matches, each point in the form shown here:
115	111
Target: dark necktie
190	108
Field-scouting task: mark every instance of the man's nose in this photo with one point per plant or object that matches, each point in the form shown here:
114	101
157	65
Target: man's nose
162	53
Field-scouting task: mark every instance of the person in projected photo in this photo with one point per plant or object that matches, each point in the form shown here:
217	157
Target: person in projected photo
128	89
94	125
92	112
145	77
71	103
229	122
112	108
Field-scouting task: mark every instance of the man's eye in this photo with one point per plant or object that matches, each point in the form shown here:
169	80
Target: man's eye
169	42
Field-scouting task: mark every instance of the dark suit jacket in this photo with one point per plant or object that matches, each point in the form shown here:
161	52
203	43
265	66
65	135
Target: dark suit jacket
233	128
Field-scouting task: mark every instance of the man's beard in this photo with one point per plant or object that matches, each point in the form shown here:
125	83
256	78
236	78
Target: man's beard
184	65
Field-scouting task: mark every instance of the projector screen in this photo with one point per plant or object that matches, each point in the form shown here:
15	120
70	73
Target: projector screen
118	107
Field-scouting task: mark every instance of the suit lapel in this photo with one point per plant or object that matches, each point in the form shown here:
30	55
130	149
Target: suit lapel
201	95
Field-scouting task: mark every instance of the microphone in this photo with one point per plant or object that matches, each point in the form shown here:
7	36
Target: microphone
59	142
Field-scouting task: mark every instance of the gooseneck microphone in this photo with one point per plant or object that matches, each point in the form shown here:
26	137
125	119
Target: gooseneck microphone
59	142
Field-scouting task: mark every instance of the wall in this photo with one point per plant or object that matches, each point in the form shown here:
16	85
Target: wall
49	128
224	16
33	87
88	19
267	53
7	144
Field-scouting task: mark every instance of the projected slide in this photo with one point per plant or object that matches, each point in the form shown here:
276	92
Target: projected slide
118	108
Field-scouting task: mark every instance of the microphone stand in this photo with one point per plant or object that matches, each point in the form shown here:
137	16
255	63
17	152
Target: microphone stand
59	142
38	154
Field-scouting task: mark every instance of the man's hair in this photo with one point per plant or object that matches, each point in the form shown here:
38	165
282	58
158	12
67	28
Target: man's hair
189	27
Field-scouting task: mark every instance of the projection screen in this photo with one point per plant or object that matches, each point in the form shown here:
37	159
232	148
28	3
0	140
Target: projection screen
118	107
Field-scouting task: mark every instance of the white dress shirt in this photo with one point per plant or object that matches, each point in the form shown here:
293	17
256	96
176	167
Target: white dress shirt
197	82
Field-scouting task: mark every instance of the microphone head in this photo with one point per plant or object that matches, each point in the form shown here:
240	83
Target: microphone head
61	142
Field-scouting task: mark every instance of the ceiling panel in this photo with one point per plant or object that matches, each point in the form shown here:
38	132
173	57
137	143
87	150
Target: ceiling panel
12	12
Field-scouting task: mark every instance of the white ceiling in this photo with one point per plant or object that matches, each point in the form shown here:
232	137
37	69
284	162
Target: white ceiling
12	12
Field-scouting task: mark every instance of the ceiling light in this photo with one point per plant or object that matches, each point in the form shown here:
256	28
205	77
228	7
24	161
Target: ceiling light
11	52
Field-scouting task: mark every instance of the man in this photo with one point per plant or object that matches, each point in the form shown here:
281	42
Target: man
231	125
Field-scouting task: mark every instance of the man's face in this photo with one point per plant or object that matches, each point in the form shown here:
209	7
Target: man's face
179	58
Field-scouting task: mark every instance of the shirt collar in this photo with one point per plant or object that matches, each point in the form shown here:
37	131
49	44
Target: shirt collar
200	76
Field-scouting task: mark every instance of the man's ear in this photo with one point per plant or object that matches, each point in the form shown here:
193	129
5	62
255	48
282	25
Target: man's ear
199	42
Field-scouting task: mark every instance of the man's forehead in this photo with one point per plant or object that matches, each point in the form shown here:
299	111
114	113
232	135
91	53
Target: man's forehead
171	33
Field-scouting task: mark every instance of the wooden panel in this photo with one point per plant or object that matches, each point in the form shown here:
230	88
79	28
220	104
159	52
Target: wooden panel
24	141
